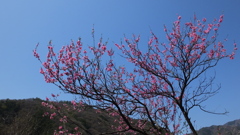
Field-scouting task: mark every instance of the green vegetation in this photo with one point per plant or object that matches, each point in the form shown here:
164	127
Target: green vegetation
25	117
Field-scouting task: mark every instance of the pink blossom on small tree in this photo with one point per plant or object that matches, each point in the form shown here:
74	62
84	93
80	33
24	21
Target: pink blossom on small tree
151	98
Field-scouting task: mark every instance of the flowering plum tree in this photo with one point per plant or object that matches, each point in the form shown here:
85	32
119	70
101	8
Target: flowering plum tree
156	96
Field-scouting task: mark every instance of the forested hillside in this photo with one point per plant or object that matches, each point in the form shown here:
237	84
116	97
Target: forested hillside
25	117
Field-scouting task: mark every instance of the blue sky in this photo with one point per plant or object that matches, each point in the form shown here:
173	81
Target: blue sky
25	23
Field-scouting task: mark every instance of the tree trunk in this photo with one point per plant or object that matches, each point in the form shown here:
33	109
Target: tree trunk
188	120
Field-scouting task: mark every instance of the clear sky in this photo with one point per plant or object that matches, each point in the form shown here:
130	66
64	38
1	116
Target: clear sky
25	23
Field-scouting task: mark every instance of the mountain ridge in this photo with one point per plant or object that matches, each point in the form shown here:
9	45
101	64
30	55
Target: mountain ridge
229	128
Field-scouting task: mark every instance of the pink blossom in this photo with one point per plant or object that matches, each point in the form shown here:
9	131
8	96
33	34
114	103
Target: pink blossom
44	104
176	22
52	115
76	128
137	40
204	20
46	114
232	56
223	50
109	69
60	127
104	48
50	47
78	42
110	52
206	31
221	19
36	54
118	46
188	24
211	53
73	102
41	71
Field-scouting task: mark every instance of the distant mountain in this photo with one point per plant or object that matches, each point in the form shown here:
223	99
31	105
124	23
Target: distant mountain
233	123
230	128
